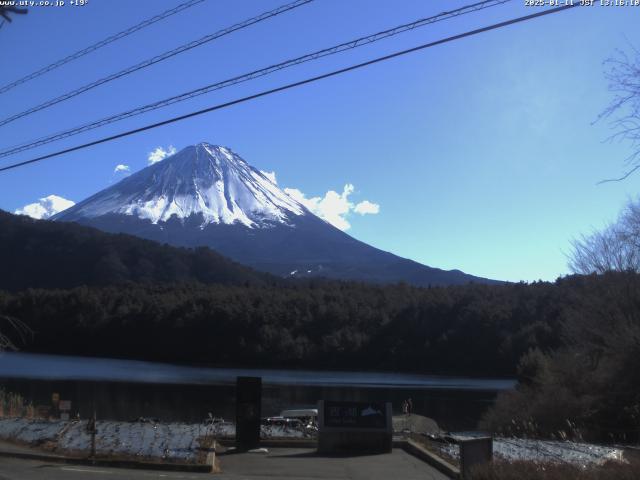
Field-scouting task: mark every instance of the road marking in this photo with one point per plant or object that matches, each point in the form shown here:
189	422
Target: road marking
86	470
142	473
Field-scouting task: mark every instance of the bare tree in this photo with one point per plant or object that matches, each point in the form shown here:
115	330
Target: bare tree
21	330
615	248
623	74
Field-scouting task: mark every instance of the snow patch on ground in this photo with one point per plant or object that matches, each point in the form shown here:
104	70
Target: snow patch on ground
33	432
174	442
177	442
511	449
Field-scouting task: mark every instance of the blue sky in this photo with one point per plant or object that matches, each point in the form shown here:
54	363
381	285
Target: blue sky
481	153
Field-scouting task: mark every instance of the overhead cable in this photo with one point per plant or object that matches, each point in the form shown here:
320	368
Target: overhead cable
289	86
100	44
252	75
157	59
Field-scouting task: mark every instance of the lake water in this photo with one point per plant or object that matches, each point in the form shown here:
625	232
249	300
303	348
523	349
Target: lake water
127	389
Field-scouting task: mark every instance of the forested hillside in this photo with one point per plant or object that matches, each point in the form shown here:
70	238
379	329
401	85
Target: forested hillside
574	343
43	254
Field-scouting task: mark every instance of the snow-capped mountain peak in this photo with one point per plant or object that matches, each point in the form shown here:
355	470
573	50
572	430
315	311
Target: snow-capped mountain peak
208	196
203	179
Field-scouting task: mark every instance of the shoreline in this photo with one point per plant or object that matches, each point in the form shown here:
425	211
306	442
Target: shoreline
121	370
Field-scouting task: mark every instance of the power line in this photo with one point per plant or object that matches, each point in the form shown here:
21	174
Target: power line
157	59
253	75
293	85
100	44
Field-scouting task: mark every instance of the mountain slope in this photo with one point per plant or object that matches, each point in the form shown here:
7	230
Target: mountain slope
206	195
43	254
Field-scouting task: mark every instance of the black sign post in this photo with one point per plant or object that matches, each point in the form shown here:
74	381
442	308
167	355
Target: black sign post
92	430
248	408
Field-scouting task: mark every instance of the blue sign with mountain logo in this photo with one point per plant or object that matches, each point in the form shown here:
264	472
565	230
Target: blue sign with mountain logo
355	414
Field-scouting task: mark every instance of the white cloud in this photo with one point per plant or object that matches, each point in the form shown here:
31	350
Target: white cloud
367	208
121	168
271	176
160	154
45	207
334	207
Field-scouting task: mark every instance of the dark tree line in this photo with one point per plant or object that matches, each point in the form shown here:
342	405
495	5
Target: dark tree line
472	330
44	254
574	344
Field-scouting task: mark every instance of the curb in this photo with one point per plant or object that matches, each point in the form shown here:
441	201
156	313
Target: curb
285	443
290	443
208	467
417	450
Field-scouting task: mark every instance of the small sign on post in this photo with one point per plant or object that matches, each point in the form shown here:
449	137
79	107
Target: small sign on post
65	407
474	451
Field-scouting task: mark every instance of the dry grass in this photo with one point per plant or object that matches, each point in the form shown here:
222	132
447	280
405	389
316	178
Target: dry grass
522	470
13	405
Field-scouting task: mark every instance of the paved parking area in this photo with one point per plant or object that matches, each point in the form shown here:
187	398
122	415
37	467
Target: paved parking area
304	464
18	469
285	463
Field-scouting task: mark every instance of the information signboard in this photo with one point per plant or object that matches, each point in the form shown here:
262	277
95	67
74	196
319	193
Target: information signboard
355	415
354	427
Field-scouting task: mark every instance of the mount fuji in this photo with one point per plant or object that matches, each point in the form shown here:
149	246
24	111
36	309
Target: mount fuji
206	195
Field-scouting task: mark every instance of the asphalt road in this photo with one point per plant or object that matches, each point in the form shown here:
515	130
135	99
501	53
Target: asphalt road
17	469
291	464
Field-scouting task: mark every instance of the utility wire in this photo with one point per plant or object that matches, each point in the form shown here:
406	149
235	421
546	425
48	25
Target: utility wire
100	44
293	85
253	75
157	59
